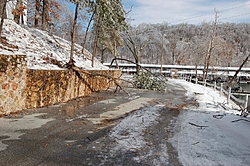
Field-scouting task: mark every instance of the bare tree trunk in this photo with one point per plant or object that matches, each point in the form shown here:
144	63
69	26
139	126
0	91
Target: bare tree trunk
3	9
137	63
86	32
207	62
102	56
95	50
236	73
3	15
73	36
162	45
210	48
173	56
37	13
115	55
196	71
17	17
96	42
45	15
134	51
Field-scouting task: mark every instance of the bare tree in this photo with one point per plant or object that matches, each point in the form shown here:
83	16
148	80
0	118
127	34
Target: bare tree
96	39
70	64
18	12
37	15
136	42
2	14
45	15
210	48
87	30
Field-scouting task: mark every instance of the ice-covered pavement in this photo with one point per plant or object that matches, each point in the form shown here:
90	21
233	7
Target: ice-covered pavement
210	134
224	139
187	125
206	134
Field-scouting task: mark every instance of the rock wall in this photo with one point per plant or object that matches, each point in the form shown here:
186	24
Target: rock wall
12	83
49	87
23	88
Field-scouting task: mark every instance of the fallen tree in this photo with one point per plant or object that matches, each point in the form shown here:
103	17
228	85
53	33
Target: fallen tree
237	72
117	80
145	79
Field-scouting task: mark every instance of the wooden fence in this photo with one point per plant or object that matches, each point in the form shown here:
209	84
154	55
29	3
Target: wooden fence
228	93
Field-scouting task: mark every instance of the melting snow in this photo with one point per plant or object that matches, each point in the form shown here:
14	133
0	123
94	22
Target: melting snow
222	142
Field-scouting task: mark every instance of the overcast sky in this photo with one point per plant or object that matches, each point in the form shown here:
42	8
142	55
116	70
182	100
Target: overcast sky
187	11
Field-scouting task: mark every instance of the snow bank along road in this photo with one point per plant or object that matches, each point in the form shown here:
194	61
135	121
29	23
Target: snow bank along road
211	134
188	125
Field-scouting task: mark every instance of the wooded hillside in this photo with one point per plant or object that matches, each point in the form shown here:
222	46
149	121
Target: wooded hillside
186	44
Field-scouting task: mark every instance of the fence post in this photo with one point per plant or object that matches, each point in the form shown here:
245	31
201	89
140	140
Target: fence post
196	80
221	86
190	80
246	103
205	81
229	95
214	85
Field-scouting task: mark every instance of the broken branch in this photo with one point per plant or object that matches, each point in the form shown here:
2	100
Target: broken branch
240	120
219	116
94	74
197	125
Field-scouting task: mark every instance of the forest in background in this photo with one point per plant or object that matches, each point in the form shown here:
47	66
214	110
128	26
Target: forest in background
225	44
186	44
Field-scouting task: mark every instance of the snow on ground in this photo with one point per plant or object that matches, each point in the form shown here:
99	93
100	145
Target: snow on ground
128	134
222	140
41	48
218	142
134	122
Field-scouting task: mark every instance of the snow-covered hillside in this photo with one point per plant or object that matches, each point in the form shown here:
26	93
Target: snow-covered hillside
42	49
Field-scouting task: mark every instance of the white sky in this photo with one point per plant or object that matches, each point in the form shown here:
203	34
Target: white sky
187	11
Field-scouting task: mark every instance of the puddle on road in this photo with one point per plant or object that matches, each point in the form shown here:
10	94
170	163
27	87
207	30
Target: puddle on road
76	107
108	101
11	129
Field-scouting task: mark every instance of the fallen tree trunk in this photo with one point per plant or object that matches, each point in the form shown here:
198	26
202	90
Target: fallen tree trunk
122	59
237	72
78	72
117	80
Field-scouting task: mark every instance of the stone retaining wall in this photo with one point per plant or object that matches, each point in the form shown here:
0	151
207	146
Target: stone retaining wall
12	83
23	88
55	86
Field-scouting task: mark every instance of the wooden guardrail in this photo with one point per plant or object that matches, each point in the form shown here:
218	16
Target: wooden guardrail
228	93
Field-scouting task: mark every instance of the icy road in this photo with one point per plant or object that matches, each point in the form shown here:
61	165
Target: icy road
188	125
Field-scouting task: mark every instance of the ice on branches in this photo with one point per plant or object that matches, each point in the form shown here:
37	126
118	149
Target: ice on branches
146	80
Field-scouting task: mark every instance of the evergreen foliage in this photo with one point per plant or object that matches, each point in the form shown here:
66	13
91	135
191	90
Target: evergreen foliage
146	80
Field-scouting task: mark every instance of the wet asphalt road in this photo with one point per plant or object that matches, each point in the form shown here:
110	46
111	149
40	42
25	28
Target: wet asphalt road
70	138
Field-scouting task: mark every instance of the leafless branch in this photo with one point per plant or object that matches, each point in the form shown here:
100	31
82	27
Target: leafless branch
197	125
240	120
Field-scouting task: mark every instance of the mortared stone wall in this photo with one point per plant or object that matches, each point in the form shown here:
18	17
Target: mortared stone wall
22	88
